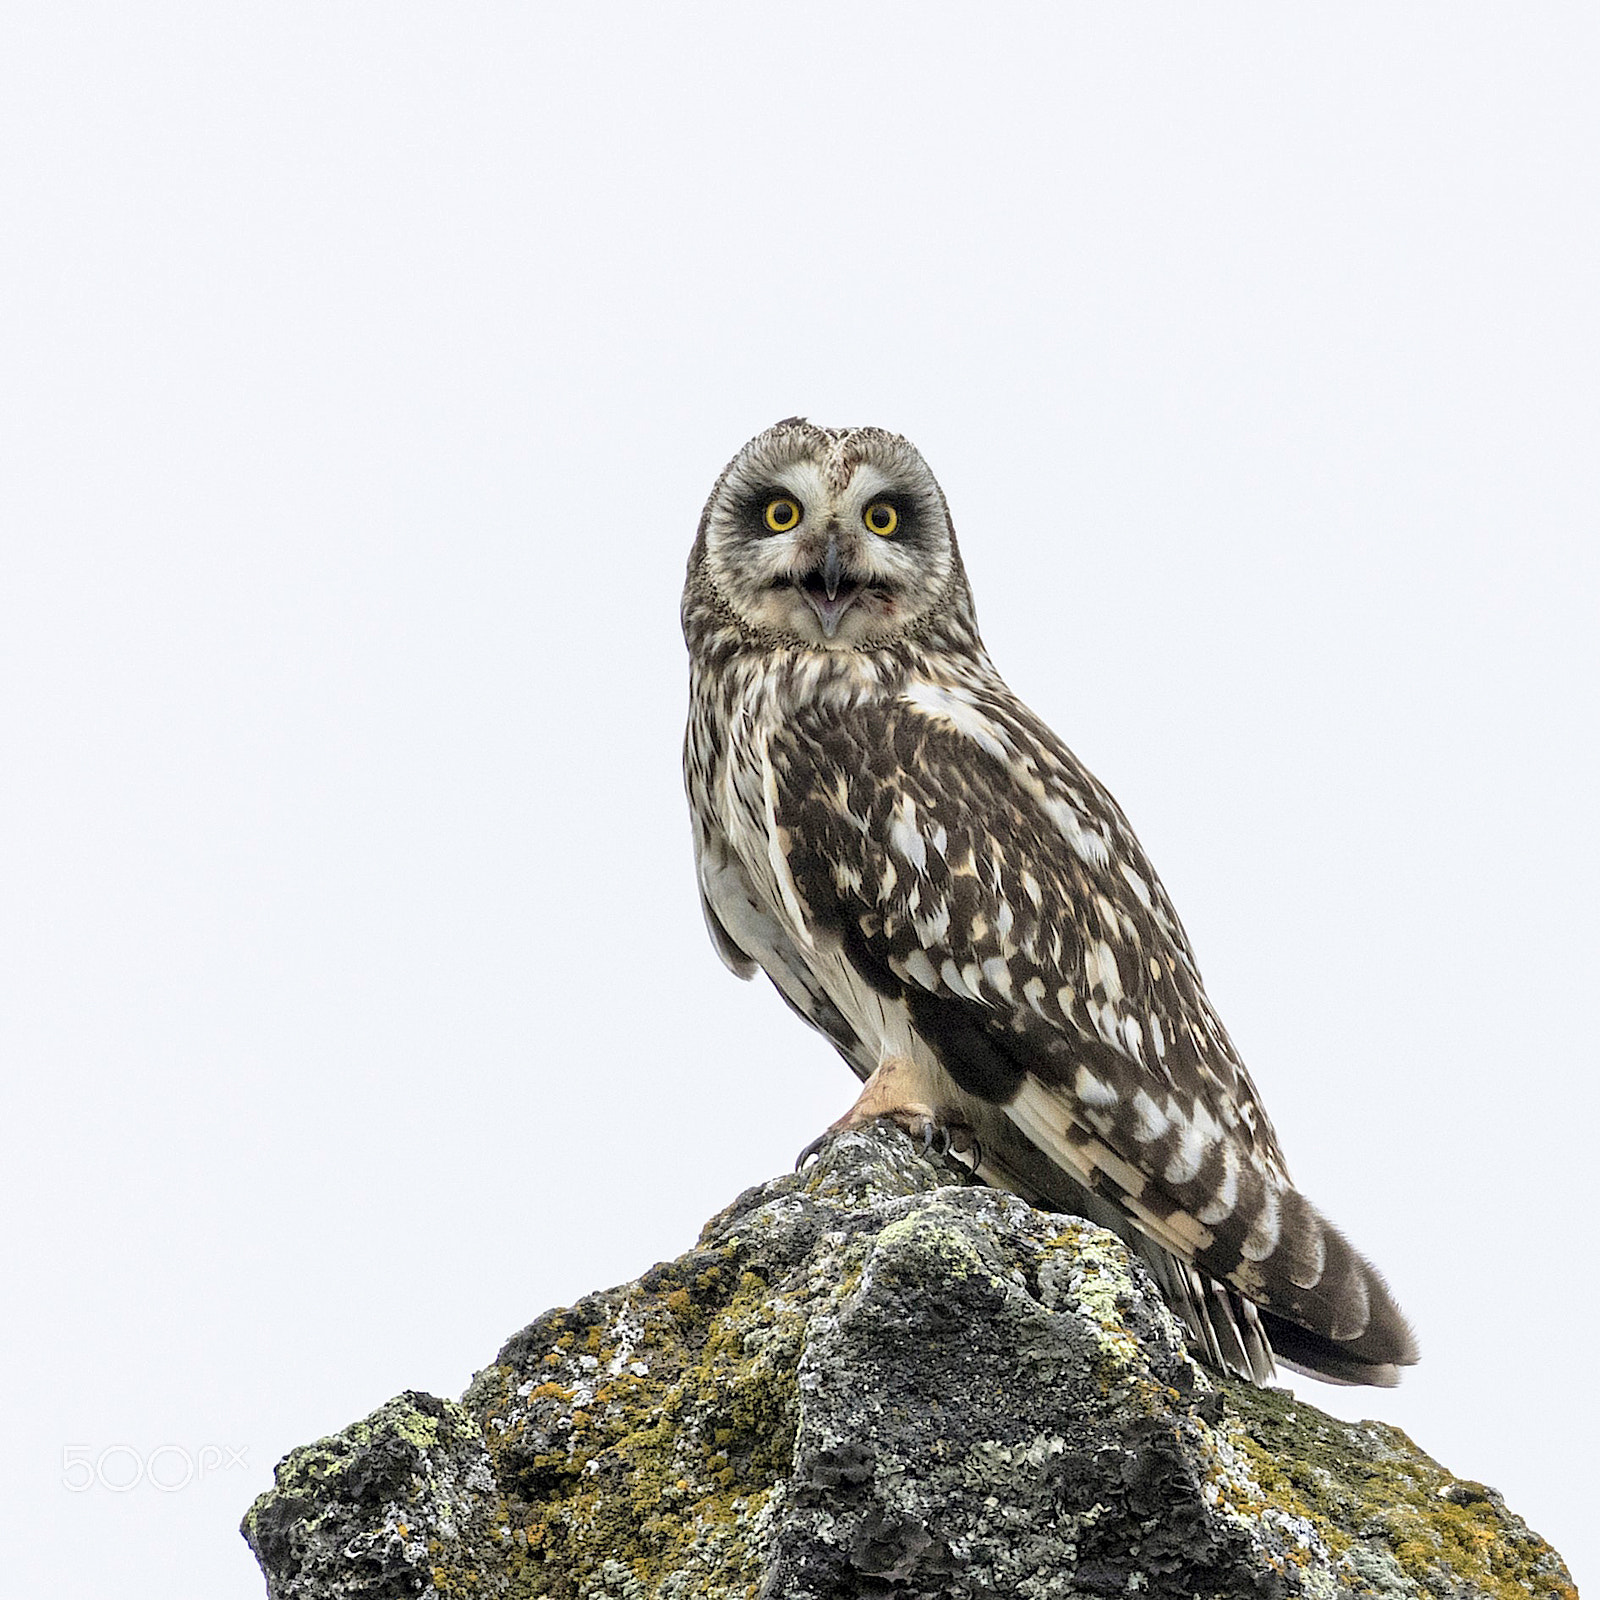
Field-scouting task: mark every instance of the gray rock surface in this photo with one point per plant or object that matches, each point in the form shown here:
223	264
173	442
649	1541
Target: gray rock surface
870	1380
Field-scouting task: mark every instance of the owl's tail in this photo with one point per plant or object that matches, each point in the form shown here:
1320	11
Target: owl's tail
1319	1304
1325	1307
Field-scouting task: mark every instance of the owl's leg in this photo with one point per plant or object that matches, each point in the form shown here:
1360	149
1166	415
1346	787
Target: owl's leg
892	1093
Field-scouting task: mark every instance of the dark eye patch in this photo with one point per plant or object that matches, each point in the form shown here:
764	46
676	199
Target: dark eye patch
750	510
906	510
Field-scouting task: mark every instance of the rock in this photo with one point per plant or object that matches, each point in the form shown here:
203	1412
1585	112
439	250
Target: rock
867	1380
403	1503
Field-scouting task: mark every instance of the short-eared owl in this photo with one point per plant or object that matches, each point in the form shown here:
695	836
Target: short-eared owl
933	881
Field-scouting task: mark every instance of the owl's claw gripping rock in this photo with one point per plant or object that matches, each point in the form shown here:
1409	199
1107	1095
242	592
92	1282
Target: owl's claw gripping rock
812	1150
947	1140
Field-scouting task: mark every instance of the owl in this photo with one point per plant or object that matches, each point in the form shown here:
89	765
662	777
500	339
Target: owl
934	882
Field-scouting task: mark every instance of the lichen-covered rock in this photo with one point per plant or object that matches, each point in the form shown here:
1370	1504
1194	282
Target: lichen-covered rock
869	1380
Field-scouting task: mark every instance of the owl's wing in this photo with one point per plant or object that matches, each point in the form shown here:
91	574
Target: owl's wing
970	867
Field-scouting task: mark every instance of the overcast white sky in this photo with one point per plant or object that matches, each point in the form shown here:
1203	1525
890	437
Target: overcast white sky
365	368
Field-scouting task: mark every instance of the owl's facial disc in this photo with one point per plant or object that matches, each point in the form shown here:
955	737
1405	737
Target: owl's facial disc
830	555
828	578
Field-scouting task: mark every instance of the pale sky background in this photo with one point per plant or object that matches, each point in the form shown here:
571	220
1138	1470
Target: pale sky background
364	370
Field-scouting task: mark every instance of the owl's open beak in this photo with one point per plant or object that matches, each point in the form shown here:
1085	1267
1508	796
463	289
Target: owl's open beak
827	591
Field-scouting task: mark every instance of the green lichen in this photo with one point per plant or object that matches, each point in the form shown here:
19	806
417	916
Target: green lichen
1103	1285
403	1493
416	1427
310	1468
1367	1489
925	1239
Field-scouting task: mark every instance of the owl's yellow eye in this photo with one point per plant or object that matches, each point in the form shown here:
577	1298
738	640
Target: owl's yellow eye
781	515
881	518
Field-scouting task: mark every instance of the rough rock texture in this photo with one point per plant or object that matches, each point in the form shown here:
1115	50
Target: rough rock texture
867	1380
401	1501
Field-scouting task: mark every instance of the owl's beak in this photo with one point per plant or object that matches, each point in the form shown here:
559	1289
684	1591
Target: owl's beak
826	590
832	569
831	612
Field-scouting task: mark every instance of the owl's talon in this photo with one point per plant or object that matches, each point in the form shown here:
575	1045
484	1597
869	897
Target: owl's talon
952	1141
812	1150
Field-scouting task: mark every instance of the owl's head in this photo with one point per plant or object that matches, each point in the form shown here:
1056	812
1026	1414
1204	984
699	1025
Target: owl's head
831	539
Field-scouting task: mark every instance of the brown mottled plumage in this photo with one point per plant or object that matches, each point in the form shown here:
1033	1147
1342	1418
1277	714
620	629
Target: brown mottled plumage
933	881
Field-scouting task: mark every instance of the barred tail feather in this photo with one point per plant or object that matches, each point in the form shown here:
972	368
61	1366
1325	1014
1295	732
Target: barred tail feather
1327	1309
